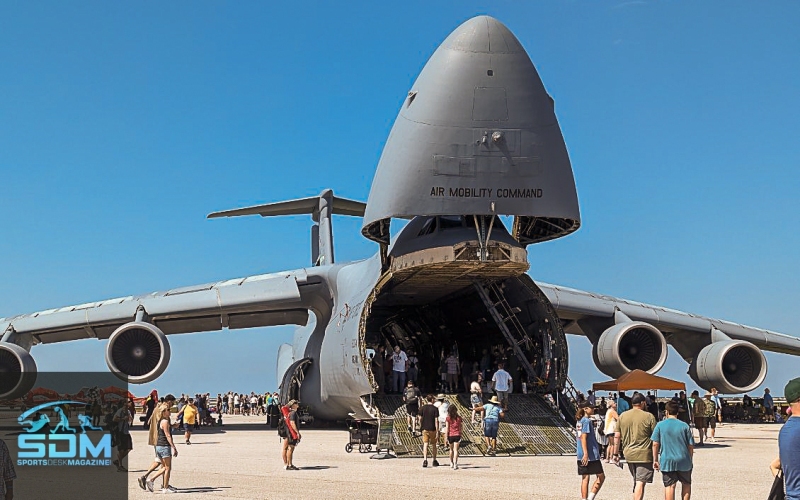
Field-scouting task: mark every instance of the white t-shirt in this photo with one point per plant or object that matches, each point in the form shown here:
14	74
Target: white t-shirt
501	379
399	361
236	399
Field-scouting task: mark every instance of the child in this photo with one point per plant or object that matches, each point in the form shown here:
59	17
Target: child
453	423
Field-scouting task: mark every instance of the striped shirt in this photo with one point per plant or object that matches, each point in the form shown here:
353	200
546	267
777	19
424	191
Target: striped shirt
6	467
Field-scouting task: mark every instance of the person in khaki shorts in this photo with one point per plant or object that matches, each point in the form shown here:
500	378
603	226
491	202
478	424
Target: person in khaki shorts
636	426
430	430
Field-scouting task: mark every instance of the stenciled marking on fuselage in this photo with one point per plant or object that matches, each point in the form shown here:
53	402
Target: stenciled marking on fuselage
468	192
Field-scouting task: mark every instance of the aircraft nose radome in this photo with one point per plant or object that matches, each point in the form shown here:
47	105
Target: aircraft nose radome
483	34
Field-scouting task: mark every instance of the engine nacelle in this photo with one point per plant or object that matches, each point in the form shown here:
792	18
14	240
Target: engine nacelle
732	366
137	352
628	346
18	371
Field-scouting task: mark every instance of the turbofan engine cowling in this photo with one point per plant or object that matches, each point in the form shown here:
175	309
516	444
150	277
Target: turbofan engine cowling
17	371
732	366
137	352
630	346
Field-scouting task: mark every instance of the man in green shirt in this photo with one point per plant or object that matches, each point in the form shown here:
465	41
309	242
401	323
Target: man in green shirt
636	426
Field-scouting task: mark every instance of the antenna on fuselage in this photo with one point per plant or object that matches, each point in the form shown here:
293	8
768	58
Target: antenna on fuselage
320	207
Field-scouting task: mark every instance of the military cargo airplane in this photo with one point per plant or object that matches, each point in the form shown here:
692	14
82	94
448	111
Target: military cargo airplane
475	143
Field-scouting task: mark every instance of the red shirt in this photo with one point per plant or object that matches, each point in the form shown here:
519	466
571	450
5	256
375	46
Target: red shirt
455	426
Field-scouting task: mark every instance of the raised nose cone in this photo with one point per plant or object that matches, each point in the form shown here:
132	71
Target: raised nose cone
477	134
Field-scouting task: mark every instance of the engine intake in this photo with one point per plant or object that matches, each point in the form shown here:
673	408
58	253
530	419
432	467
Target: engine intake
137	352
17	371
732	366
632	345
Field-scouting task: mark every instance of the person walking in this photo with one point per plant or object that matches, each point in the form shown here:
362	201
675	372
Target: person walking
399	369
788	461
673	450
493	412
190	415
452	364
636	426
476	397
501	381
588	452
769	405
150	405
710	414
430	430
699	413
123	419
165	449
411	398
453	425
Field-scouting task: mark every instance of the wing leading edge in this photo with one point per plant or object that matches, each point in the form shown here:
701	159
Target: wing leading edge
582	310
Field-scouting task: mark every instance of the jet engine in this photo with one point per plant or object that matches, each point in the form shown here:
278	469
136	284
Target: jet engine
18	371
732	366
630	345
137	352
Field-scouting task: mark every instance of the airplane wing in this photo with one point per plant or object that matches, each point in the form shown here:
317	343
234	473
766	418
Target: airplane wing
263	300
589	314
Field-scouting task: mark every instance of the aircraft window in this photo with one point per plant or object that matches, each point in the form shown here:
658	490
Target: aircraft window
450	222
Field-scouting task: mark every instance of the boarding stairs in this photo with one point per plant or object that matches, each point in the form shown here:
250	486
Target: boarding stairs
531	427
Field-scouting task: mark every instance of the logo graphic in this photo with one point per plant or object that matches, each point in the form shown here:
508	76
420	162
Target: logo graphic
43	444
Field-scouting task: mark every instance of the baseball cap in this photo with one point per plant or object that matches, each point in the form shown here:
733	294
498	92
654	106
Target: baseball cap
792	390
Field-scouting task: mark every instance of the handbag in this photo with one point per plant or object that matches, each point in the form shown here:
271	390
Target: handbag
777	491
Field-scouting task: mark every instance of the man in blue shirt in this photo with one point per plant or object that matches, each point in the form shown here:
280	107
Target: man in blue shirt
623	404
673	441
769	406
588	452
789	443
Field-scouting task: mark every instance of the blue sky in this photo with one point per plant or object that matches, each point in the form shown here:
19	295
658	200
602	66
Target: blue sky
123	125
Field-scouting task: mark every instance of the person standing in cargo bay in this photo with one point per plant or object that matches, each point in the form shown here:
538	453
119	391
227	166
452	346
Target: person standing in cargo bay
399	369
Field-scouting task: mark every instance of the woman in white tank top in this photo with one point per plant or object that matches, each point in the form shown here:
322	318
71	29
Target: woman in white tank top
610	428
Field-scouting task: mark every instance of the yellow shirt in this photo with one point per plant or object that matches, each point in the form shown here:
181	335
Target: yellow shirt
189	414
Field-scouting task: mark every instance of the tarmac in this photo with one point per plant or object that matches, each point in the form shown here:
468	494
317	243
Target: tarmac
242	460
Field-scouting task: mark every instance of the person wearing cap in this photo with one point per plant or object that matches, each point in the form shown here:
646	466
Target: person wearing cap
788	461
588	452
636	426
492	412
673	450
292	418
710	414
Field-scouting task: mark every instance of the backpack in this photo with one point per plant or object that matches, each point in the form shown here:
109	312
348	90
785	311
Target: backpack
282	430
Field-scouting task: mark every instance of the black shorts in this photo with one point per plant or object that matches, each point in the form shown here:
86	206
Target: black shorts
125	442
711	422
593	468
413	408
292	442
680	476
453	439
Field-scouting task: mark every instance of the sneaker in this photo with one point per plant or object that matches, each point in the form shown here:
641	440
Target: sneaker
286	467
150	487
188	442
435	463
424	463
142	480
172	488
455	466
166	490
292	467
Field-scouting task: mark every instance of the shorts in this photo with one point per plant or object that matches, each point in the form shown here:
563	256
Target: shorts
490	428
678	476
124	442
502	395
711	422
429	436
593	468
412	408
475	400
163	451
642	473
292	442
453	439
700	422
452	378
